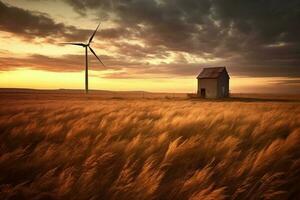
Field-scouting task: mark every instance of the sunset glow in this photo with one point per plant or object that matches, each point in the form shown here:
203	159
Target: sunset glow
140	54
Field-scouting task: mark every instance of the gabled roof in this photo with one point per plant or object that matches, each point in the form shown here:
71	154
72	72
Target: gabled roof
211	72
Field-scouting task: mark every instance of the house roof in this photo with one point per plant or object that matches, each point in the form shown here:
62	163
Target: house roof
211	72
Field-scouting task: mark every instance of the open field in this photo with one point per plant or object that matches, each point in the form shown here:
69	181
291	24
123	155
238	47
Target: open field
72	146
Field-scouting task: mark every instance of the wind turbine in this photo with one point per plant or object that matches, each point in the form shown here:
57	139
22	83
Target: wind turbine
87	46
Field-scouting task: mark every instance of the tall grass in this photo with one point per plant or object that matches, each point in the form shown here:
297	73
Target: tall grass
149	150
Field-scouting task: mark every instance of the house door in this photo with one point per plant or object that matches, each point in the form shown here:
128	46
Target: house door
202	92
223	91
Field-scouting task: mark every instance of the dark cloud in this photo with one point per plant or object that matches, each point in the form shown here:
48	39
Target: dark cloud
133	51
263	34
33	24
253	38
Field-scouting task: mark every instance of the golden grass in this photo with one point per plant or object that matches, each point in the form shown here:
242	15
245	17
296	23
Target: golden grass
149	149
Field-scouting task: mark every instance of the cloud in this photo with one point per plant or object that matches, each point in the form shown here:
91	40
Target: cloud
289	82
67	63
32	24
176	37
262	34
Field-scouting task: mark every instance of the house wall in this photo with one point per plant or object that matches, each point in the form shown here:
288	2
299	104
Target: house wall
210	86
223	81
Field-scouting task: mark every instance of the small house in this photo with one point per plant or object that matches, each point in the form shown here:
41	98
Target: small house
213	82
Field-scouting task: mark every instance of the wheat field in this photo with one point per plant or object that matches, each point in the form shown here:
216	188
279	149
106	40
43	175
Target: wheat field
149	149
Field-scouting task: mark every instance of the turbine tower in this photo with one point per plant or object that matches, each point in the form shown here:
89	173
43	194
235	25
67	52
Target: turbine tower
87	46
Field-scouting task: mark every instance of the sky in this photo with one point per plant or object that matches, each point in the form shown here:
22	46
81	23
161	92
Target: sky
150	45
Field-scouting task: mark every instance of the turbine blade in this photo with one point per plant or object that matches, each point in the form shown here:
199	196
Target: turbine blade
73	43
94	34
96	56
